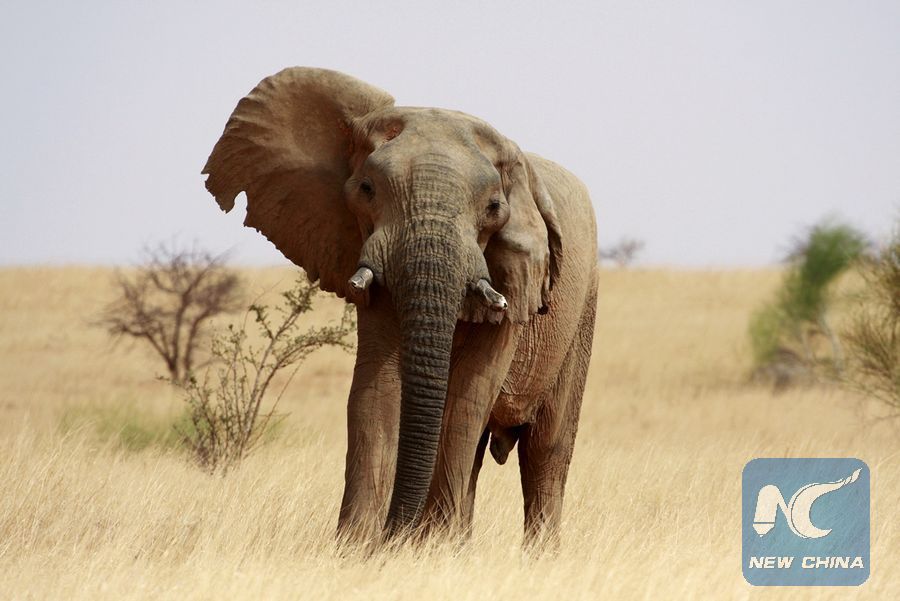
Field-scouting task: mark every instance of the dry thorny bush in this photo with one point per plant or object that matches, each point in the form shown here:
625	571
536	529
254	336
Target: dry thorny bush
227	418
873	337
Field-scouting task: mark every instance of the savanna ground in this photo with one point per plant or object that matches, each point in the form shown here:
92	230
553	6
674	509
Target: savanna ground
98	502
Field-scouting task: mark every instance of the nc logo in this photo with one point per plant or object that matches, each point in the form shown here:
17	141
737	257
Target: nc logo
821	537
797	510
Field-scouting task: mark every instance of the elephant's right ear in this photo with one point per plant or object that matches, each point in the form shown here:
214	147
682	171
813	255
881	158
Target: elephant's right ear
288	146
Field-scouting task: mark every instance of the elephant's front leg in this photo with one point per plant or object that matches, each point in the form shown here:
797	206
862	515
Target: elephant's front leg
481	358
373	417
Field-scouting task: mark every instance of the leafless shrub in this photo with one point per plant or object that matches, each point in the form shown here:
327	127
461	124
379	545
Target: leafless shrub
169	301
623	253
873	337
226	415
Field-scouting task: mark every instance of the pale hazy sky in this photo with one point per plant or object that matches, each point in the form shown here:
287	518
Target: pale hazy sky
712	130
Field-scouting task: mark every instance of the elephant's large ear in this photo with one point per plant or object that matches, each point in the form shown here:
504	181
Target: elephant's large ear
524	257
288	145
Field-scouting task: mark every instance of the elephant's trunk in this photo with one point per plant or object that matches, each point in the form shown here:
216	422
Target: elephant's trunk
427	293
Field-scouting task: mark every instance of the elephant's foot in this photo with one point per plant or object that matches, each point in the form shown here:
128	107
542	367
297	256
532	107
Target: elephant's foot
358	529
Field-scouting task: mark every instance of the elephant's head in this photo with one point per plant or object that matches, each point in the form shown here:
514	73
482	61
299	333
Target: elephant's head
432	205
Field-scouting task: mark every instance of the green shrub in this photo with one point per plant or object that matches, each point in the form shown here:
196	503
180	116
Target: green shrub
766	326
829	249
788	324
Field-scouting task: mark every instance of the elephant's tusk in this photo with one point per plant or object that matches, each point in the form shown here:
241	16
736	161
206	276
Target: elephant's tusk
362	279
490	297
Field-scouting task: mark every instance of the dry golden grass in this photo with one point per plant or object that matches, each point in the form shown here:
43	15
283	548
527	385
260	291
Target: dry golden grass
653	503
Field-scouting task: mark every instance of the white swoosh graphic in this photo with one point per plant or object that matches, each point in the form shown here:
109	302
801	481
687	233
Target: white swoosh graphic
800	505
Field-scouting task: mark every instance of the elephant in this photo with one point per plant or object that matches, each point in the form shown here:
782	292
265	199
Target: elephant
473	268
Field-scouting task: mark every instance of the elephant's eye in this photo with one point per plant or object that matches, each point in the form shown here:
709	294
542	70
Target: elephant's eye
366	188
494	205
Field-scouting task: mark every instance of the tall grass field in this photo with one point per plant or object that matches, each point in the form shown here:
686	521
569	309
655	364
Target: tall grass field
99	501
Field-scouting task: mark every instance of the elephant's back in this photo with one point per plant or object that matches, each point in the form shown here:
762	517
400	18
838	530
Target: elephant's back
572	204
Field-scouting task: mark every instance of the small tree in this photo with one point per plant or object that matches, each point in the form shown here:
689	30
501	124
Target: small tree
169	301
226	415
873	337
787	326
623	253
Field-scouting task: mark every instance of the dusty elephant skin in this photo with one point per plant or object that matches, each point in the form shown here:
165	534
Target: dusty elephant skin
473	267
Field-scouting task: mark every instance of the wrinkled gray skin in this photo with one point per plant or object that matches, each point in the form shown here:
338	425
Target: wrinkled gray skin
473	268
